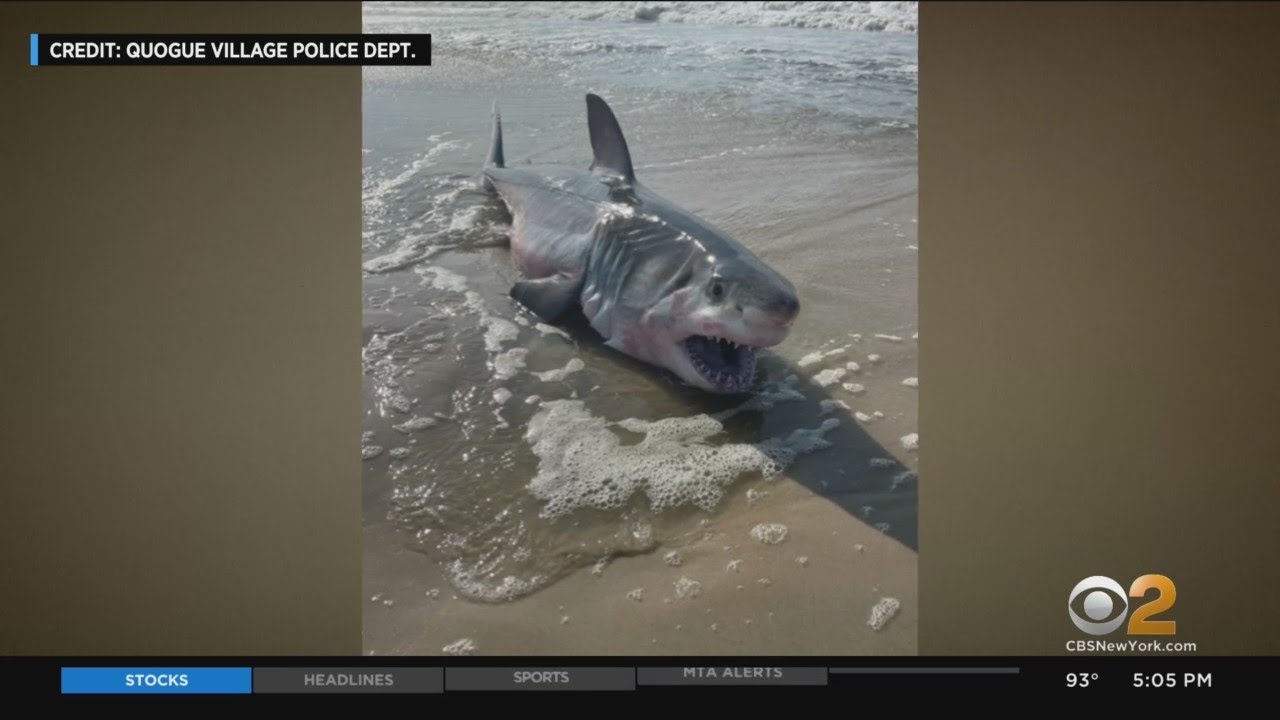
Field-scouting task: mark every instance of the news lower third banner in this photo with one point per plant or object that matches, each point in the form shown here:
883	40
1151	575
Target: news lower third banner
255	50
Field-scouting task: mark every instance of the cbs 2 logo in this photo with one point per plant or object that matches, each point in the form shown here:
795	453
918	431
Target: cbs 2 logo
1098	605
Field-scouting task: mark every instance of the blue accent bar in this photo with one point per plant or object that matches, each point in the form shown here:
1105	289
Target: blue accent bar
35	49
147	681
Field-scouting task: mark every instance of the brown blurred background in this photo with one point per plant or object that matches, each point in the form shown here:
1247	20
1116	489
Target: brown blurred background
180	298
180	290
1100	317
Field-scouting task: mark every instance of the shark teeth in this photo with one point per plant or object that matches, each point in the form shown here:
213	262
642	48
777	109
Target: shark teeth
728	365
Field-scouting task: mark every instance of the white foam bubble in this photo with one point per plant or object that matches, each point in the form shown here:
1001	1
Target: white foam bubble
507	364
862	417
414	424
829	376
399	453
463	646
733	565
769	533
911	442
583	463
911	382
369	452
466	218
498	332
573	366
501	395
830	406
642	533
687	588
853	367
880	462
818	356
882	612
546	329
474	582
444	279
377	192
802	560
673	559
854	388
902	478
636	595
890	338
873	358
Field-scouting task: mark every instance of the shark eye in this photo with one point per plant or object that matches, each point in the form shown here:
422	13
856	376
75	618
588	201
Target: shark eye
717	290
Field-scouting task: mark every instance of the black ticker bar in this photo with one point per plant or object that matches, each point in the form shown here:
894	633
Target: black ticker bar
1079	676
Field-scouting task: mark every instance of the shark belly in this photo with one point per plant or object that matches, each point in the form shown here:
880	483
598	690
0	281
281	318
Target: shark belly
551	229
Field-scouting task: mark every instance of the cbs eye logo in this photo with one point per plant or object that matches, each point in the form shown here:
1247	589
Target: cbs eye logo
1098	605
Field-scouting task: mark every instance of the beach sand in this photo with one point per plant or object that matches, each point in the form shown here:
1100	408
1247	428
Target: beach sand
825	196
769	603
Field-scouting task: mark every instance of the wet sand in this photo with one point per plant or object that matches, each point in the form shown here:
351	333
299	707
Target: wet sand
768	604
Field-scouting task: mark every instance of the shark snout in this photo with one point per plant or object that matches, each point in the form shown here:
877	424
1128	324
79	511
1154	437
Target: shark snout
784	308
767	325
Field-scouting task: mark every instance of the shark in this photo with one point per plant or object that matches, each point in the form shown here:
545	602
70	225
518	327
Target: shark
655	281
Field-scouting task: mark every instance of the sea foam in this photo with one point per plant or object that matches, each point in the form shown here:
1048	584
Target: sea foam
582	461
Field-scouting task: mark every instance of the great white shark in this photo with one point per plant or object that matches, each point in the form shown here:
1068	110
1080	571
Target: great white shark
656	282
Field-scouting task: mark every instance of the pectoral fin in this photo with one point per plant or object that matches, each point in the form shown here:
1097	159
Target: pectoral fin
548	298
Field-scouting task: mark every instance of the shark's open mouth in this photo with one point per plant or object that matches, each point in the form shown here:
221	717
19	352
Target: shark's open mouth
728	366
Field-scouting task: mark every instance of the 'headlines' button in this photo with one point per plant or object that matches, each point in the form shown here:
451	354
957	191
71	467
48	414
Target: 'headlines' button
146	681
348	680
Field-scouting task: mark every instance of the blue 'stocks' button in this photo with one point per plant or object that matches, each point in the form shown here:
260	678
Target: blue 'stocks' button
207	680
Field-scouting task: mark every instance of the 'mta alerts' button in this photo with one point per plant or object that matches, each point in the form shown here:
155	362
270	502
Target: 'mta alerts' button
151	681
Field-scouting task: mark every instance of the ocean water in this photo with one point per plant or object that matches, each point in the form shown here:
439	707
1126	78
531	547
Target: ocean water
512	453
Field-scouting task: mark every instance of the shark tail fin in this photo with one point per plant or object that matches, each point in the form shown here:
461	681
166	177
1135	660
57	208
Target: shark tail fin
607	143
496	158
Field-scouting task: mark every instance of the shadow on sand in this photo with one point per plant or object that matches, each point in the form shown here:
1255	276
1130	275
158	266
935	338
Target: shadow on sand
857	473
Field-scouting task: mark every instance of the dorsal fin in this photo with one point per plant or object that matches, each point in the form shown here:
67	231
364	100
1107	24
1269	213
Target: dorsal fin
607	143
496	158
